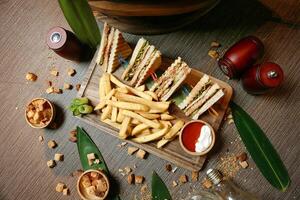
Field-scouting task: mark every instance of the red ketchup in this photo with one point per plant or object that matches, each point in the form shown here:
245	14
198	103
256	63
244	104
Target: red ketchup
190	135
241	56
262	77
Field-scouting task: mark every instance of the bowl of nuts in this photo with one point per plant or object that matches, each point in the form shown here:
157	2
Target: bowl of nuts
93	185
39	113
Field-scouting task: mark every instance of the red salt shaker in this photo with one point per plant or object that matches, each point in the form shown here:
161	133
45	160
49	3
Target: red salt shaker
261	78
241	56
66	44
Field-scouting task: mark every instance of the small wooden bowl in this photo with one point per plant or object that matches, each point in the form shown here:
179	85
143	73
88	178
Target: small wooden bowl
51	118
79	189
197	153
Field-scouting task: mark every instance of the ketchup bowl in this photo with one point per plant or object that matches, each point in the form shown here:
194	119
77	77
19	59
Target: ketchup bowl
197	137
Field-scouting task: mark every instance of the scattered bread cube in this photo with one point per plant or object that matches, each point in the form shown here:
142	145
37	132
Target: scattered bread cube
49	83
60	187
141	154
73	135
130	179
195	176
52	144
67	86
168	167
132	150
183	179
31	77
54	72
244	164
41	138
144	189
57	91
174	183
242	157
59	157
50	90
214	54
77	86
207	184
215	44
139	179
51	163
127	170
71	72
66	191
73	139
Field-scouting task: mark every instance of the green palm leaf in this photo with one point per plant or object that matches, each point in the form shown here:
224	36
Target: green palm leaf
159	189
260	148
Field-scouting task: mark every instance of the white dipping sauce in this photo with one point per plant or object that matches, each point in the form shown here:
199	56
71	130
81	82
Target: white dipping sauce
204	140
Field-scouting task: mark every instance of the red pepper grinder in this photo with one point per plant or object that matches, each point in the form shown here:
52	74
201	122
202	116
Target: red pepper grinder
67	45
262	77
241	56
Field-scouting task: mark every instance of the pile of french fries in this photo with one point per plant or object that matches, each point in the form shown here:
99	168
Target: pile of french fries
136	113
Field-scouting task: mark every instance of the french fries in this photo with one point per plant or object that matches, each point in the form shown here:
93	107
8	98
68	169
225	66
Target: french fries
135	112
141	119
128	106
139	128
154	136
123	133
161	106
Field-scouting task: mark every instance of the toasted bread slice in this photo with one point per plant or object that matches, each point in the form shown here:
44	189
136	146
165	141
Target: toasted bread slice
197	90
215	98
119	48
138	52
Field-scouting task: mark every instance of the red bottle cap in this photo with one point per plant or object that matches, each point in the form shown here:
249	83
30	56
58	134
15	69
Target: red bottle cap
56	38
270	75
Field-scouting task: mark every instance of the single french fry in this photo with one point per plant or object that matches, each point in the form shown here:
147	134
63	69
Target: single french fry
166	117
135	122
144	132
166	123
141	88
161	143
127	105
120	116
101	88
139	128
141	119
161	106
153	111
106	112
113	124
140	93
149	115
114	112
174	130
123	90
107	85
123	133
154	136
152	94
102	101
116	81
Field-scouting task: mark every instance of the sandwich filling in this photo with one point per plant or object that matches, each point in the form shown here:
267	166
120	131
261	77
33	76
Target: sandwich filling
137	61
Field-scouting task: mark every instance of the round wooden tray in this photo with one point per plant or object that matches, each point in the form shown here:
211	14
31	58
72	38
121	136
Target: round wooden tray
151	17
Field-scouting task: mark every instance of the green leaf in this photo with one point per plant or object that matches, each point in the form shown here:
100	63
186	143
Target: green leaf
80	101
85	145
82	21
260	148
85	109
159	189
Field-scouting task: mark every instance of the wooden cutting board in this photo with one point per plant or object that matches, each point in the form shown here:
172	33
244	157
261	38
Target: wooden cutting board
172	152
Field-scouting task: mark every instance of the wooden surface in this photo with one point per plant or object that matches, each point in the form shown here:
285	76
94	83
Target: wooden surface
171	152
24	24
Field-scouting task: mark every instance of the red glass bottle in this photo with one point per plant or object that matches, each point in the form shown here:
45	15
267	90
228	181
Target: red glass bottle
67	45
261	78
241	56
